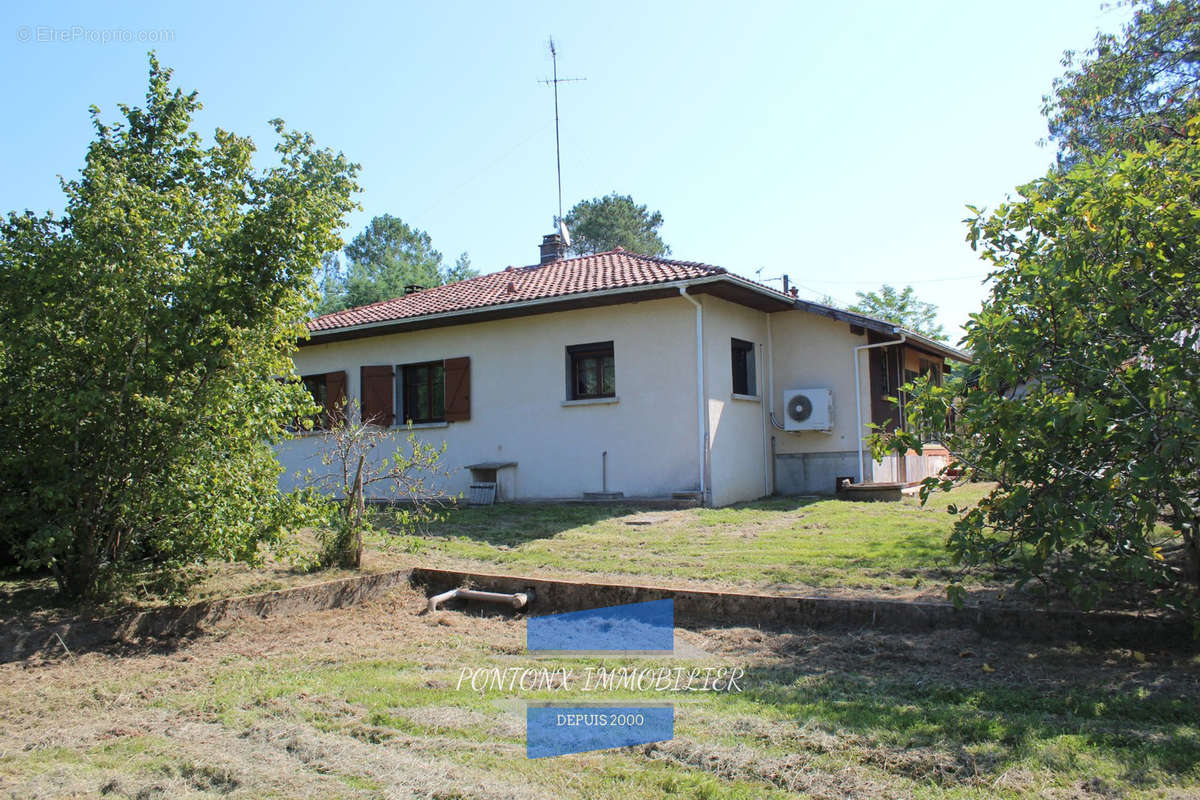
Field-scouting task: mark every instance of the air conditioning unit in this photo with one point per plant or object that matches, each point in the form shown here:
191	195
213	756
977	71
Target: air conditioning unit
808	410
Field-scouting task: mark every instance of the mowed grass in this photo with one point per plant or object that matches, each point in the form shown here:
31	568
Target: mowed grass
781	544
778	543
366	702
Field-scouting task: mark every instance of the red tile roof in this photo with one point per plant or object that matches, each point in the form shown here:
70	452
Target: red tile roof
615	269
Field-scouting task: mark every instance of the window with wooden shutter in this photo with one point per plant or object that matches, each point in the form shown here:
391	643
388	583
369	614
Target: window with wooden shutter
458	389
328	390
378	407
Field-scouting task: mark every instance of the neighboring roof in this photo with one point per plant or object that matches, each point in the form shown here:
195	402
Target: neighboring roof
883	326
938	347
615	275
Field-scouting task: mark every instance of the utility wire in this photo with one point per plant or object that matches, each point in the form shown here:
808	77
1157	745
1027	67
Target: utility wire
485	168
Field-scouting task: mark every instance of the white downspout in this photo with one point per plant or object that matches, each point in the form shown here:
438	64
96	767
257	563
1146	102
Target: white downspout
766	425
858	391
771	389
770	371
701	428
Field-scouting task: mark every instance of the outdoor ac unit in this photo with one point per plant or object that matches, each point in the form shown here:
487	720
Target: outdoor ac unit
808	410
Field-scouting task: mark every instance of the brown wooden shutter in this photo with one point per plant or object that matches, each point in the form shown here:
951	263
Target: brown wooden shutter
335	396
378	407
458	389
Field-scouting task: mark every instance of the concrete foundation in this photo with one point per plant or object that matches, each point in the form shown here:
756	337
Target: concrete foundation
815	473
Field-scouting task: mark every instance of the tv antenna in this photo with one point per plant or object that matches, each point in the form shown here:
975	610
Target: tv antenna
554	82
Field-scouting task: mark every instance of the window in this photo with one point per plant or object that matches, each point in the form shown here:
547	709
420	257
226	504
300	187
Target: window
744	380
591	371
316	387
424	392
328	391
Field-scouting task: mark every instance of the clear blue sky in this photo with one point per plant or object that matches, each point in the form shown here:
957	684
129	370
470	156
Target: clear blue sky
835	142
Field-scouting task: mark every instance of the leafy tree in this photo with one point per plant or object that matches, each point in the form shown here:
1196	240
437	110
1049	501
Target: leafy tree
461	270
612	221
386	257
1081	402
142	335
1130	88
902	308
1087	363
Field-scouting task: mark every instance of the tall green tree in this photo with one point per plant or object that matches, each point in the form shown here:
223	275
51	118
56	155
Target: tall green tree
1087	373
903	308
1130	88
143	335
381	262
461	271
1082	399
612	221
385	258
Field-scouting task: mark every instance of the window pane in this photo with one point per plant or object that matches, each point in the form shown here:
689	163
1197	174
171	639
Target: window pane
421	401
587	376
609	381
316	387
424	392
437	390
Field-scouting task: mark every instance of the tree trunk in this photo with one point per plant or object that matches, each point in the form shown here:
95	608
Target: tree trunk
1191	550
355	509
79	571
359	513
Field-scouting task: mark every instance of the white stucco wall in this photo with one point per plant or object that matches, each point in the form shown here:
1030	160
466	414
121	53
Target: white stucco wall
813	352
518	384
738	444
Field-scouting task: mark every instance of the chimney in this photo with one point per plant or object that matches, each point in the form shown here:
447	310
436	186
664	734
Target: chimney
552	248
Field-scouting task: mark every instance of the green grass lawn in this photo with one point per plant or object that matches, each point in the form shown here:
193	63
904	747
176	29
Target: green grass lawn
364	702
782	544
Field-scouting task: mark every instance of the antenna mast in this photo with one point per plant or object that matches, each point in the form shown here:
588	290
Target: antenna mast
554	82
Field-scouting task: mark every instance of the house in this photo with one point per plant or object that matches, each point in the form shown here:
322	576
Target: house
622	374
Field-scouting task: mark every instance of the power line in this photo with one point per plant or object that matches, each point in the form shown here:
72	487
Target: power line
973	276
485	168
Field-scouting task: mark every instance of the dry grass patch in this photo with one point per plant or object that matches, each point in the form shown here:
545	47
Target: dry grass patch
361	702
